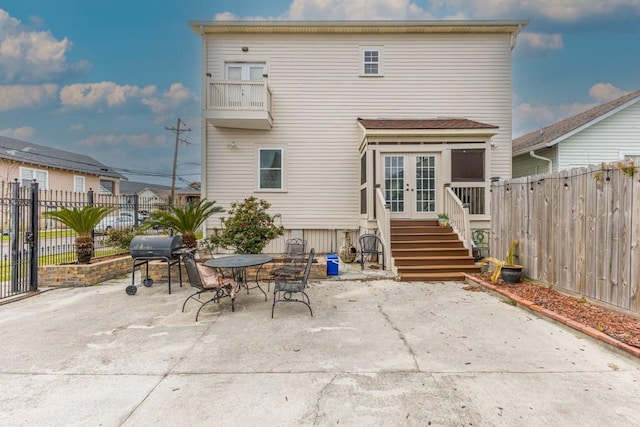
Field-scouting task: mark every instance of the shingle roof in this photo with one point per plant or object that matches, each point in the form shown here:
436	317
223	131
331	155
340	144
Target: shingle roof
550	135
424	124
27	152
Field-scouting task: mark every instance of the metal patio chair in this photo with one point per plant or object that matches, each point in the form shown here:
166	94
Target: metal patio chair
292	264
371	247
285	288
206	279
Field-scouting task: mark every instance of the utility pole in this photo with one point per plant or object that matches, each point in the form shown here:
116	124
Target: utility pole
177	131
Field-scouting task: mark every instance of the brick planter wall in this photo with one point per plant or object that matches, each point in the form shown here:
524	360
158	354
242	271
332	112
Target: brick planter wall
101	271
83	274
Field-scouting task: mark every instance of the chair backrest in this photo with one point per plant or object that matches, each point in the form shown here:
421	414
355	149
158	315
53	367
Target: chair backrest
193	274
295	250
369	243
307	270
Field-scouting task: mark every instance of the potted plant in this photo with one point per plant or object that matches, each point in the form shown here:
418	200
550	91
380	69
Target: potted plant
82	221
185	220
443	219
506	270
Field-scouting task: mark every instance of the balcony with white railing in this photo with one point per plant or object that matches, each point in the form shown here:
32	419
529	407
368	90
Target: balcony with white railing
240	104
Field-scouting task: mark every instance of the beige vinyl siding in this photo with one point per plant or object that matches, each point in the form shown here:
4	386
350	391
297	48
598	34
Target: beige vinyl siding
318	93
606	141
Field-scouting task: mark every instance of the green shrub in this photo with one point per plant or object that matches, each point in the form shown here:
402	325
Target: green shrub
247	229
121	238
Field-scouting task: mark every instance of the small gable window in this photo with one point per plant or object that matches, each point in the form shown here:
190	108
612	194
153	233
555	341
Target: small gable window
371	61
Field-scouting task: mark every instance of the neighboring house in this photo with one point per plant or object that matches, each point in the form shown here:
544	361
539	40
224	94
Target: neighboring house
151	196
605	133
316	116
54	169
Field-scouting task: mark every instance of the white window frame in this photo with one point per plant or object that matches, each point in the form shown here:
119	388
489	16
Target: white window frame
282	180
245	70
78	184
364	51
29	174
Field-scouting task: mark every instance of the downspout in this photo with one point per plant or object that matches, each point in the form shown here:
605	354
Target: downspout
535	156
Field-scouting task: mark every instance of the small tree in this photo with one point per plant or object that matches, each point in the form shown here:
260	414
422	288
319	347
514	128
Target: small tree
186	220
248	228
82	221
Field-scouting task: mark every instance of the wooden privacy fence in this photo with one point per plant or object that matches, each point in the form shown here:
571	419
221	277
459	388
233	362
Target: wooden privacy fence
579	230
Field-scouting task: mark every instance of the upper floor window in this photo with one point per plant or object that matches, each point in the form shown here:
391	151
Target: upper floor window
245	70
27	175
371	61
78	184
271	172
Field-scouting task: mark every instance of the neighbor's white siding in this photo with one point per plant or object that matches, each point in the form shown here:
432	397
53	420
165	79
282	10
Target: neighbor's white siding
607	141
318	93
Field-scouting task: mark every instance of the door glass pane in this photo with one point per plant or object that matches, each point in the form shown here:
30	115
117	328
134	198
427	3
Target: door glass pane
394	182
256	72
234	72
425	184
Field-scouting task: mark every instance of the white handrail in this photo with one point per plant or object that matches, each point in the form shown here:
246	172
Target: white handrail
458	217
383	218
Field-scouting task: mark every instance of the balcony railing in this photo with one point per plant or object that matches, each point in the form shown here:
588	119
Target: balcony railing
242	104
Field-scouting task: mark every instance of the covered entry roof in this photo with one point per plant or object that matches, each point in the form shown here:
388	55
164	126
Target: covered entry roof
432	127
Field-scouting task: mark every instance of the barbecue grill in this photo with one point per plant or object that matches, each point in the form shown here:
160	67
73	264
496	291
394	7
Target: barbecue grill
154	248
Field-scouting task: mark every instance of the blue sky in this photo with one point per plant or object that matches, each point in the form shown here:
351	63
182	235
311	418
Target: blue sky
105	78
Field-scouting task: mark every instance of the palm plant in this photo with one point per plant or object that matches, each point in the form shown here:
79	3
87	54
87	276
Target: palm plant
82	221
186	220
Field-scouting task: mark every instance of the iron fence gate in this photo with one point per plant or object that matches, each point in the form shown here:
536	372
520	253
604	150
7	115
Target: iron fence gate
19	221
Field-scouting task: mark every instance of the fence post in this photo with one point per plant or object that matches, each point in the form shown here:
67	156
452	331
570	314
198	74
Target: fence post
93	233
15	234
35	230
136	208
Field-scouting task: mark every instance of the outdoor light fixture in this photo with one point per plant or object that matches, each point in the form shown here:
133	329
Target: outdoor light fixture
245	49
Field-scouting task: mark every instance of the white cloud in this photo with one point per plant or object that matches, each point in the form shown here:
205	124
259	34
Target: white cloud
355	9
171	99
540	41
553	10
78	127
24	132
14	97
605	92
136	140
84	95
32	56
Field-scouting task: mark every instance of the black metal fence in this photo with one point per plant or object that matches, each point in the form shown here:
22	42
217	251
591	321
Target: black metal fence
30	239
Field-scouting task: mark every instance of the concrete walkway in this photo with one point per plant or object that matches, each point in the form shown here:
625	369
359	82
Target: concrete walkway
376	352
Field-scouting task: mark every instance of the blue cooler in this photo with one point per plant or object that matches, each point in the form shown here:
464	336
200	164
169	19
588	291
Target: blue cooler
332	264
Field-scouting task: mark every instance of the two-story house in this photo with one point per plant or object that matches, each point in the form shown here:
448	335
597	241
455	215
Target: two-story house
355	126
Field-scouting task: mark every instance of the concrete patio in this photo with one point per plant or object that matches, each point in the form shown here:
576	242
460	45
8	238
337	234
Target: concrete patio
376	352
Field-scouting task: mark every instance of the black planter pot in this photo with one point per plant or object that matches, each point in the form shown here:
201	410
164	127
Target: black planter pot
511	274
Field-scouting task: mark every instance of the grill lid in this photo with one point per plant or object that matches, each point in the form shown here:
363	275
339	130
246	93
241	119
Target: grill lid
155	247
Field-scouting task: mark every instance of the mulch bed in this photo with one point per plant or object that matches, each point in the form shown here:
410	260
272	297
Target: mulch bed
617	325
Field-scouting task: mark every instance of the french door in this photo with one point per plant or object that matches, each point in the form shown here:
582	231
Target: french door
410	184
245	94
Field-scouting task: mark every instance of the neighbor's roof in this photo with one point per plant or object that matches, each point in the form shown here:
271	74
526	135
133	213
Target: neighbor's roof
358	27
34	154
134	187
553	134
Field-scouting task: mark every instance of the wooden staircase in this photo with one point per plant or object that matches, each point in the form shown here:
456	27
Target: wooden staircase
426	252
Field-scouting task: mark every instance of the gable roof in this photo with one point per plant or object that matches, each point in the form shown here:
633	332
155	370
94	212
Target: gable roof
557	132
135	187
27	152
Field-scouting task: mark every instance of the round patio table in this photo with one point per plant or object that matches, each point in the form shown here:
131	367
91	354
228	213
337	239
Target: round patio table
239	263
